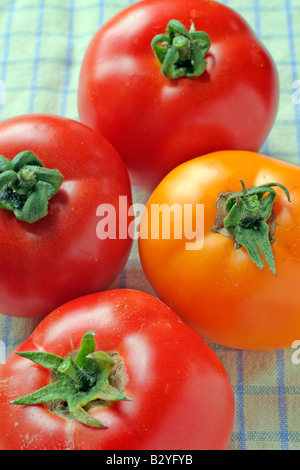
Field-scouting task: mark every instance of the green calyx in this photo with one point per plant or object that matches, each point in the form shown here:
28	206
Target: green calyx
181	52
26	186
79	382
247	219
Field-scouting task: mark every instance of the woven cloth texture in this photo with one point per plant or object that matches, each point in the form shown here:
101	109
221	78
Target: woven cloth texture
42	44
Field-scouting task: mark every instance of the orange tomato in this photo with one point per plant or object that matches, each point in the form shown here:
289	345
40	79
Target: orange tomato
213	285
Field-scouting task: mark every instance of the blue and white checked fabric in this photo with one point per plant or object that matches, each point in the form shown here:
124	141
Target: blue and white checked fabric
42	43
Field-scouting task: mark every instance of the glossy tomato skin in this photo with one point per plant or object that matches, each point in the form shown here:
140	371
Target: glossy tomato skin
157	123
216	289
60	257
181	394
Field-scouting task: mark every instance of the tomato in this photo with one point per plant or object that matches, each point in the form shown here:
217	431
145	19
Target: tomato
233	277
174	393
49	261
157	122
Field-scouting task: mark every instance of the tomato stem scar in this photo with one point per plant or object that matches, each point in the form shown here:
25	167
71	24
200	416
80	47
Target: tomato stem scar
248	218
26	186
79	382
181	52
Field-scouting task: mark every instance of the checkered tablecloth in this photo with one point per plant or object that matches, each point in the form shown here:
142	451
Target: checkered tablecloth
42	43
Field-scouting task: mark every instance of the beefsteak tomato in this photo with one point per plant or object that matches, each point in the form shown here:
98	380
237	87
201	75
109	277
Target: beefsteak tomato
232	271
158	384
216	89
47	261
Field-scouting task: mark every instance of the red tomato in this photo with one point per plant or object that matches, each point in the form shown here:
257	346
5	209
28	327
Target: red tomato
213	284
156	122
48	262
180	396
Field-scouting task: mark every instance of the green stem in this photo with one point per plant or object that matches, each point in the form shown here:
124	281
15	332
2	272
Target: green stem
247	215
79	382
70	369
181	52
26	186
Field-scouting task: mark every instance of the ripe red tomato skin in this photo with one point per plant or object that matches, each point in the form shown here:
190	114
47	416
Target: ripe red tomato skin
156	123
181	395
59	257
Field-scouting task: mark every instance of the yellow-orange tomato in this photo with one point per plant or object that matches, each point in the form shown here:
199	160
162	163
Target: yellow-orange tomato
215	286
